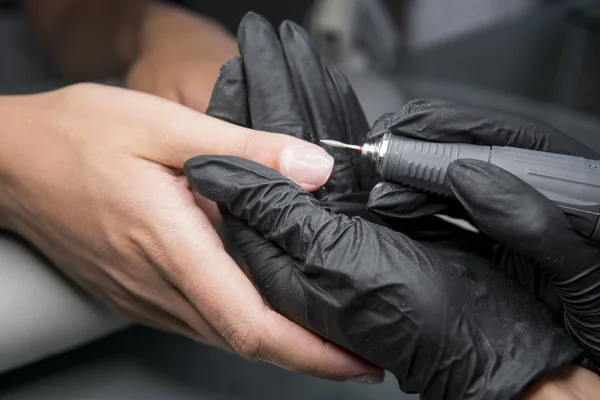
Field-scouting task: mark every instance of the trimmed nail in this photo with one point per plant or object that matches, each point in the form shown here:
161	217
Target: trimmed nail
309	166
369	378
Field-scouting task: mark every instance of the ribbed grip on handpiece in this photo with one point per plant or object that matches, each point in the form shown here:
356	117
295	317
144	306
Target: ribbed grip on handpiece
573	183
424	165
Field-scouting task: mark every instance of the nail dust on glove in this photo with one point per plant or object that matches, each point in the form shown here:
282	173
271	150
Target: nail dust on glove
448	328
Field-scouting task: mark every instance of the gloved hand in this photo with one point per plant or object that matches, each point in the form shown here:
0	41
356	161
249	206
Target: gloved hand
283	87
448	328
451	328
525	233
286	89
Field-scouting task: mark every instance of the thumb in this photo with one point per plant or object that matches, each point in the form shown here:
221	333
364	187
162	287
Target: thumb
514	213
190	134
389	200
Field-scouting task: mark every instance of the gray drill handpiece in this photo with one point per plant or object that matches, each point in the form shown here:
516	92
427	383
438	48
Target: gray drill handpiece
573	183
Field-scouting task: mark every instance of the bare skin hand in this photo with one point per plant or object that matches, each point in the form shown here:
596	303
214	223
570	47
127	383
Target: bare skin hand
180	55
91	176
575	383
160	48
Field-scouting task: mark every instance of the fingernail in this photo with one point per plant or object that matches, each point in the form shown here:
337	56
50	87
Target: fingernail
309	166
369	378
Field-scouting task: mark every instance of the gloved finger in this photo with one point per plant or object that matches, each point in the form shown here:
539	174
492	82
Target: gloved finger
449	121
309	79
397	203
413	213
271	97
354	122
287	215
273	205
532	278
393	201
348	109
518	266
350	204
283	282
514	213
189	251
229	101
276	274
428	228
329	255
265	200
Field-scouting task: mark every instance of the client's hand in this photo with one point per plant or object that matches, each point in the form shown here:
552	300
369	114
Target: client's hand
92	176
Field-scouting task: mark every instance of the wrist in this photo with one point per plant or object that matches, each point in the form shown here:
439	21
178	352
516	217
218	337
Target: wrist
574	383
16	111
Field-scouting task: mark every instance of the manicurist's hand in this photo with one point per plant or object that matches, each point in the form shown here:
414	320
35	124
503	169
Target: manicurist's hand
442	322
91	176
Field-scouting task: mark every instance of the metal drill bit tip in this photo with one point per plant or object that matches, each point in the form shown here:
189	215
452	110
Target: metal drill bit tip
335	143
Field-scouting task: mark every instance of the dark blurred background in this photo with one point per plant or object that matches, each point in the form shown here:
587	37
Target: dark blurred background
542	50
538	58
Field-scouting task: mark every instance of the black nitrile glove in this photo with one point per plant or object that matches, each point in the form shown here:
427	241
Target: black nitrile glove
447	327
452	122
524	233
536	244
284	88
281	86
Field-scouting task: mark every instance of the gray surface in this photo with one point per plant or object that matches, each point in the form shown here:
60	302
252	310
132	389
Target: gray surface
584	128
375	93
547	54
42	313
140	363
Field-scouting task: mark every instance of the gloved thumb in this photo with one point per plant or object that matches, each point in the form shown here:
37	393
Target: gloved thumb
413	213
515	214
392	201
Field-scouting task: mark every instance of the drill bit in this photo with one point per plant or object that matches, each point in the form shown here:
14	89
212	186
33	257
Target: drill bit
335	143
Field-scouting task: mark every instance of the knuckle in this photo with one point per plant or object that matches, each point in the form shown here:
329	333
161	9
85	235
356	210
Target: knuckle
246	149
145	244
247	343
538	222
75	91
318	369
75	94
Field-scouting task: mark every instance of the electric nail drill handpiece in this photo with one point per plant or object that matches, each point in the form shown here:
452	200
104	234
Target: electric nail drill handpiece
572	183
